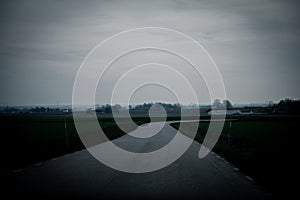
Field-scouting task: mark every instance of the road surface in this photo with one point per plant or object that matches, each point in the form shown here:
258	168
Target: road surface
79	175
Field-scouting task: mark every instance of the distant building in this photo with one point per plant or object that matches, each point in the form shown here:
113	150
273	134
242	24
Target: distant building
229	112
224	112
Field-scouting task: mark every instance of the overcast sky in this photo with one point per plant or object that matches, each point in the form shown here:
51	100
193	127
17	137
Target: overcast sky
255	44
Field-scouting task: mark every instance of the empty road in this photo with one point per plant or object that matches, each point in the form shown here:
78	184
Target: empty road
80	175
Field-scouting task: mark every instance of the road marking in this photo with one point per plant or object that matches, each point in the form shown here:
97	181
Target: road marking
17	171
53	158
249	178
236	169
37	164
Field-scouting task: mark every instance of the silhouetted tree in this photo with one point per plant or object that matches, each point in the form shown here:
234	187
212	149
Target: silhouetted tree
217	104
227	104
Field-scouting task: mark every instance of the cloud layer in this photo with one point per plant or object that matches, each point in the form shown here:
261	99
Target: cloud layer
254	43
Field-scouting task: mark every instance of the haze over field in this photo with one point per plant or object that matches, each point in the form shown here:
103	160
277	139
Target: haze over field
254	43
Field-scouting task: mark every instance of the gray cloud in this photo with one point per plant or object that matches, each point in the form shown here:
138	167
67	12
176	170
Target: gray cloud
255	43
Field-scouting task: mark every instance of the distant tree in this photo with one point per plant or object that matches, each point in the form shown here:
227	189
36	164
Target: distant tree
217	104
176	106
227	104
116	107
271	103
107	108
147	106
38	109
288	106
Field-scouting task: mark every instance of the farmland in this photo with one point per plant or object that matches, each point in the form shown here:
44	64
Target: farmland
262	147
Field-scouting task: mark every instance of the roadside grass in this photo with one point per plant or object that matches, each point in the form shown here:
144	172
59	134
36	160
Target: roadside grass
31	138
264	149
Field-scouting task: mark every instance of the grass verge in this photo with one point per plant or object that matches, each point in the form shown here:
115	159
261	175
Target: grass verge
31	138
264	149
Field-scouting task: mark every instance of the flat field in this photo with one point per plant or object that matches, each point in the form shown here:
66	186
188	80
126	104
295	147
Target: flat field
264	148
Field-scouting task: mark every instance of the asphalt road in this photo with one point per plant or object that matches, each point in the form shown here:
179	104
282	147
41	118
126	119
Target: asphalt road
79	175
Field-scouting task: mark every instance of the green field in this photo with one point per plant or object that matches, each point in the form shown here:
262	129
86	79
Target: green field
32	138
263	148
